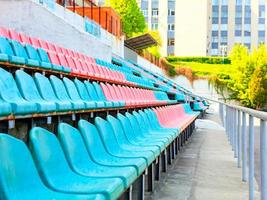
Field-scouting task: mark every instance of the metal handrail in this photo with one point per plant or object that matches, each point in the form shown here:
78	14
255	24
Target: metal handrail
233	118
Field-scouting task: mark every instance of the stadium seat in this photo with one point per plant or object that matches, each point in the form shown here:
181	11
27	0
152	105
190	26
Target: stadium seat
7	54
46	91
19	178
112	145
10	93
96	148
82	163
92	92
74	94
62	93
4	32
58	175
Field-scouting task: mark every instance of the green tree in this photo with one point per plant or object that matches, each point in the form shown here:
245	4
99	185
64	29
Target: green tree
133	20
258	87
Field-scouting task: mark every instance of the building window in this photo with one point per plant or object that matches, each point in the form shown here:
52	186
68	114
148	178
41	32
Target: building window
238	33
145	12
215	2
224	20
247	33
155	12
224	2
154	26
215	20
214	33
238	2
214	45
247	21
247	2
248	45
171	42
238	20
261	34
171	12
171	27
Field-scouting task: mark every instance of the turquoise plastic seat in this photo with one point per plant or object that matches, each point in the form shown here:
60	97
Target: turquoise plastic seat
113	146
7	54
58	175
46	91
19	178
30	92
84	93
44	58
124	142
131	129
140	132
99	153
10	93
20	51
92	92
5	108
170	134
74	95
33	54
62	95
81	162
102	96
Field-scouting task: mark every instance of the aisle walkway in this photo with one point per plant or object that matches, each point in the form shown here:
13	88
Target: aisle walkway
205	169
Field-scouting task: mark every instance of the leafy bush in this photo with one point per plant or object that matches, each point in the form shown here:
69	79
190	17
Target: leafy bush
207	59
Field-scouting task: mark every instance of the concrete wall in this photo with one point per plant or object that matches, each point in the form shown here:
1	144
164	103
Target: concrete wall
33	19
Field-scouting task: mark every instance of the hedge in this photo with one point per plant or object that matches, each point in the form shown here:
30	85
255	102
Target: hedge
208	59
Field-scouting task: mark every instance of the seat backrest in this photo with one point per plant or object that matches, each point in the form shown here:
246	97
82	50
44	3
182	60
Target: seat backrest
82	90
59	88
45	88
27	86
18	49
18	173
35	42
44	44
106	92
25	39
91	139
73	146
4	32
8	87
71	89
15	35
5	47
43	55
91	91
62	60
128	128
117	128
53	58
32	52
99	91
51	46
48	155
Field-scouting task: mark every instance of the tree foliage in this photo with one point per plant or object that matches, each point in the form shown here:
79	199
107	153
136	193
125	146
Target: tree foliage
249	85
133	20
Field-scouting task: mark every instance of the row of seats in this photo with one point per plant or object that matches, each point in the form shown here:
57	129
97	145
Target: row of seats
135	96
199	105
94	161
24	94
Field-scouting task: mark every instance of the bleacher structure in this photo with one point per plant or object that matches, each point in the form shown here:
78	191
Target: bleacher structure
96	129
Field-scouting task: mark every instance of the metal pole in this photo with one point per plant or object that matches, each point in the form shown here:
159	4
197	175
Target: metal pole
239	139
235	132
263	149
244	148
251	157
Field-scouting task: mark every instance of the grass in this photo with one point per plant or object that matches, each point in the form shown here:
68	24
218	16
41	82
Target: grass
206	70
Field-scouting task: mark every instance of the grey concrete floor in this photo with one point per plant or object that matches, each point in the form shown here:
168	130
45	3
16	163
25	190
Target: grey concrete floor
205	168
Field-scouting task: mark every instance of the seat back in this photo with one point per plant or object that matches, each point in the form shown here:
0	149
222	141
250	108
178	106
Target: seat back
48	155
4	32
117	129
91	139
71	89
43	55
82	90
27	86
18	173
18	49
91	91
99	91
15	35
45	88
35	42
8	87
25	39
5	47
32	52
73	145
59	88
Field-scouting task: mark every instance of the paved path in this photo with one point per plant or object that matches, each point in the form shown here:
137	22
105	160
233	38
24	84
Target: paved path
205	169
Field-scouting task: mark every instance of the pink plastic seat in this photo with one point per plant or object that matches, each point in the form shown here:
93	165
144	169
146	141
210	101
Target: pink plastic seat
4	32
35	42
44	44
51	47
14	35
25	39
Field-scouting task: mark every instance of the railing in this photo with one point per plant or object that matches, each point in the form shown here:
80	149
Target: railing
234	119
